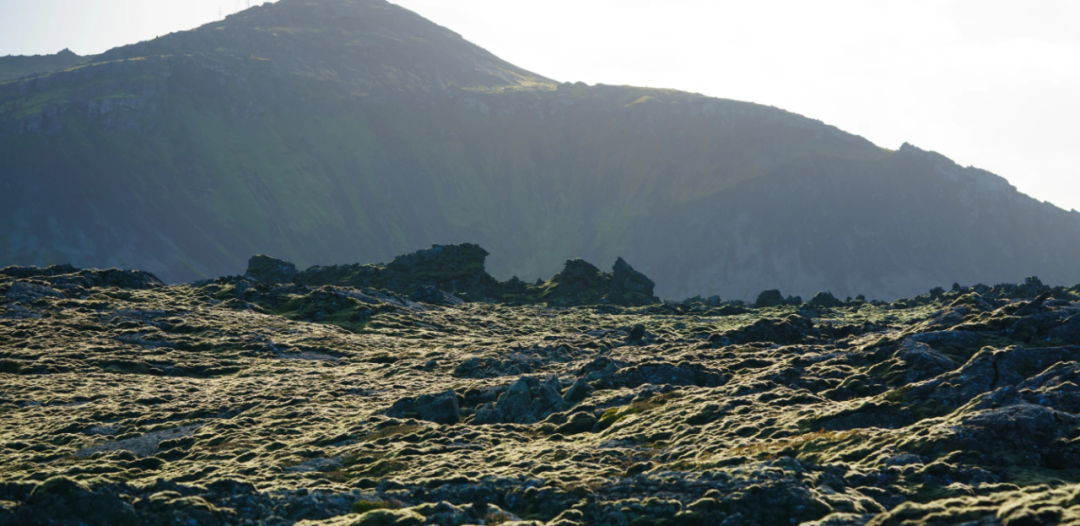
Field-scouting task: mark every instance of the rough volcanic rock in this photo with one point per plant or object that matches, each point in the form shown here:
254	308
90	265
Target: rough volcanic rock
769	298
825	299
626	280
234	401
446	275
269	270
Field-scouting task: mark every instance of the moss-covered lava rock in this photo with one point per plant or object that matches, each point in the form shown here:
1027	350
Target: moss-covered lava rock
425	392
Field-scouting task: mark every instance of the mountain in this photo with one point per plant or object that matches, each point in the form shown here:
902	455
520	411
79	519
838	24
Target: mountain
15	67
341	131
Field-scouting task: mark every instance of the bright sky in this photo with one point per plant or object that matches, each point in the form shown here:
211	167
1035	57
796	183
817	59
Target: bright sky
987	83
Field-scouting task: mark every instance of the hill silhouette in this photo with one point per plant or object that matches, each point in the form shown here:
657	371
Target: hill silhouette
339	131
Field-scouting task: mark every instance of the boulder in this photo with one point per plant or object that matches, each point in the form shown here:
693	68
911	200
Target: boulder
526	401
578	392
440	408
769	298
270	270
578	276
578	423
442	264
825	300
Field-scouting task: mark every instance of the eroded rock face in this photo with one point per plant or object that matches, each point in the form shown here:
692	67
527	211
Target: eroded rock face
249	401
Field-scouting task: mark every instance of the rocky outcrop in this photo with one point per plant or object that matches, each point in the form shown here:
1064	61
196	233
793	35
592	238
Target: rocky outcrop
270	270
581	283
446	274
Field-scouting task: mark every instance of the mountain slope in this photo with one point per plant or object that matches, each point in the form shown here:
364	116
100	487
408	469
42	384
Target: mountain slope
339	131
15	67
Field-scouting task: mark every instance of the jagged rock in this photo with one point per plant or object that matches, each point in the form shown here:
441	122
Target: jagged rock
581	283
442	263
526	401
769	298
270	270
515	406
626	280
1035	306
578	276
826	300
577	392
450	274
987	370
441	408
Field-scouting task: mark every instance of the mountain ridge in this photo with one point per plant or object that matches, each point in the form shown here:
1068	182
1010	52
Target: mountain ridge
384	132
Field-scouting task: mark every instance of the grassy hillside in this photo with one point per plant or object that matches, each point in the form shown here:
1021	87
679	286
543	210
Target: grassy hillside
15	67
339	131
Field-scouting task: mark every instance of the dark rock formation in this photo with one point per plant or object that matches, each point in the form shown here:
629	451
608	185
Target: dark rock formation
269	270
445	275
581	283
769	298
825	299
440	408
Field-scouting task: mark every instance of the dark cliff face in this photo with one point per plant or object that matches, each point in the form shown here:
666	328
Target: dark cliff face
330	131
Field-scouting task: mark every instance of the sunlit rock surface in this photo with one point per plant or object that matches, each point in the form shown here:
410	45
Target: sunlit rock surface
270	401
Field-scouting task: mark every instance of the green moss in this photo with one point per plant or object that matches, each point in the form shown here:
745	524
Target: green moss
364	506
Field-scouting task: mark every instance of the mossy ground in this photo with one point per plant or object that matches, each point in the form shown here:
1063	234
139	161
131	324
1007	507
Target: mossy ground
281	394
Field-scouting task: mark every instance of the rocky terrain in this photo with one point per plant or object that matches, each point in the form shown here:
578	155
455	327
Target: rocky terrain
334	131
425	392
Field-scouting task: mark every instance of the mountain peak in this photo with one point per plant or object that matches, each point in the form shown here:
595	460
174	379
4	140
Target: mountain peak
364	44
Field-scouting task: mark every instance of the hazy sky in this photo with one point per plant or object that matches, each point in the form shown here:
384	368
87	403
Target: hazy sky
987	83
